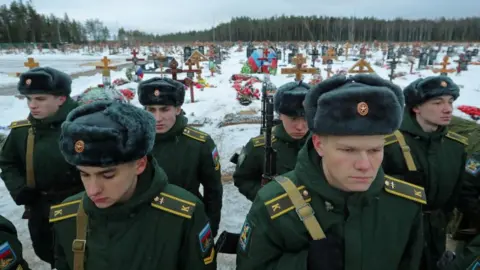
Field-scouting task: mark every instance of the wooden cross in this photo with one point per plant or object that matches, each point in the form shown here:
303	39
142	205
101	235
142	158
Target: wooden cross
393	66
106	70
135	59
331	55
189	83
444	70
299	70
196	58
362	66
31	63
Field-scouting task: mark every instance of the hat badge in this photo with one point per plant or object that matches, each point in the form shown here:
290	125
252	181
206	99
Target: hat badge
79	146
362	108
156	92
443	84
28	81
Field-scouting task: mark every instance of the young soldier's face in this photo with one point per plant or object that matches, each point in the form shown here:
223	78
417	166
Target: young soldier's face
350	163
437	111
296	127
165	116
107	186
42	106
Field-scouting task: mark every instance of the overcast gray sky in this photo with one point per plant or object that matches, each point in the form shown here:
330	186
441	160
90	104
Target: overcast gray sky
161	16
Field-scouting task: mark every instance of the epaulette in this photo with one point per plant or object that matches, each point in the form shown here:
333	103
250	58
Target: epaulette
457	137
389	139
405	190
21	123
174	205
195	134
282	204
64	211
260	140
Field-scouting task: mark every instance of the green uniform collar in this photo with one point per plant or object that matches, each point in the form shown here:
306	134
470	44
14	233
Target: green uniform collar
280	133
149	185
177	129
310	173
410	125
58	118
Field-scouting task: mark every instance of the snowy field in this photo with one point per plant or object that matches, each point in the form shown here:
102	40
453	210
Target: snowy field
212	104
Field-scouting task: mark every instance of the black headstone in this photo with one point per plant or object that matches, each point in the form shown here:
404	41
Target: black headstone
422	60
187	52
201	49
324	50
278	52
463	63
432	57
290	57
468	56
450	51
250	50
340	51
475	52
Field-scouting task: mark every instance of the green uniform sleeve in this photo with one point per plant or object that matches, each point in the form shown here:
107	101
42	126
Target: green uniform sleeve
198	248
11	245
12	169
59	254
413	253
248	172
261	248
455	196
210	178
469	202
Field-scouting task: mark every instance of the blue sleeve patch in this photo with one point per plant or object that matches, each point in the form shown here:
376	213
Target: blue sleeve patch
245	236
7	256
206	238
472	166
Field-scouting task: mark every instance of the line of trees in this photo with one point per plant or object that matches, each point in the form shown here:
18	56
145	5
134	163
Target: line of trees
21	23
310	28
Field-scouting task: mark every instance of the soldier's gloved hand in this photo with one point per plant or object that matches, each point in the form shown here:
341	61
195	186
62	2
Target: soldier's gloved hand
325	254
446	259
27	196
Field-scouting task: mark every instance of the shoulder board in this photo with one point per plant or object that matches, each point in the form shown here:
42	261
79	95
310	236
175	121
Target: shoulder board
405	190
260	140
64	211
195	134
21	123
457	137
174	205
389	139
282	204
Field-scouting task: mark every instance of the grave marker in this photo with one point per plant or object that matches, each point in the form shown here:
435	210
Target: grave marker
106	71
362	66
444	70
330	56
299	70
31	63
422	61
393	65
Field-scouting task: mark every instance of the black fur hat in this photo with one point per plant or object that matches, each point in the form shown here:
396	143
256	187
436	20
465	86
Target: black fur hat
422	90
45	80
161	91
289	98
106	133
358	105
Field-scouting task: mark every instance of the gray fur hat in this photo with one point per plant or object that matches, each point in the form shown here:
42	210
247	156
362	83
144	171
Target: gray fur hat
422	90
161	91
45	80
106	133
358	105
289	99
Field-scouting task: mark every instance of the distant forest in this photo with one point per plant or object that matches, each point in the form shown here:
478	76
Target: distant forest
21	23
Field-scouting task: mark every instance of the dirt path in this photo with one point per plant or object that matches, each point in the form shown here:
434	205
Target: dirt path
10	90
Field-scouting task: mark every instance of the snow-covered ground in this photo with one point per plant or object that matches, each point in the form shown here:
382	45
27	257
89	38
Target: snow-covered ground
211	103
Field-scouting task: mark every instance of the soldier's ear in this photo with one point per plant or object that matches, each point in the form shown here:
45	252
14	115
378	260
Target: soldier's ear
141	165
319	143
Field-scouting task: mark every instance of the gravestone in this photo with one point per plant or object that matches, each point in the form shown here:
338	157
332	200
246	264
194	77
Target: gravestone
450	51
324	50
422	60
475	52
294	51
432	57
390	52
218	55
340	51
278	52
290	57
468	56
201	49
463	63
187	52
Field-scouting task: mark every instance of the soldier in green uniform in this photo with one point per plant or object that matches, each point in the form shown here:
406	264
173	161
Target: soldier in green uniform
467	259
337	210
32	167
129	216
425	153
11	255
469	199
287	140
188	155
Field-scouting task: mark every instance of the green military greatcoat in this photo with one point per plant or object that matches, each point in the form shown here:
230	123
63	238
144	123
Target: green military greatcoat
11	252
381	228
248	173
161	227
439	158
190	158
